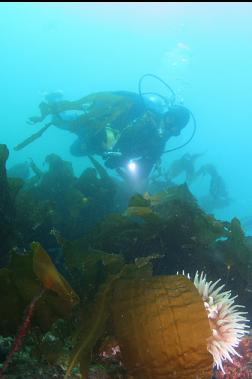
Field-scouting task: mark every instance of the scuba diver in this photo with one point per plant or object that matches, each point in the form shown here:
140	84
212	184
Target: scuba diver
218	196
142	142
129	130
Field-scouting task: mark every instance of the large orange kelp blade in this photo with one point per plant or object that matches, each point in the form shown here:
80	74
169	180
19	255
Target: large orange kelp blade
162	328
49	276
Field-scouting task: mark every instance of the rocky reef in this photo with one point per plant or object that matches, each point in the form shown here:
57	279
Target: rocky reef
86	241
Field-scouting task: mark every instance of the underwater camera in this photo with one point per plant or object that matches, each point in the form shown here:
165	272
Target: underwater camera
115	160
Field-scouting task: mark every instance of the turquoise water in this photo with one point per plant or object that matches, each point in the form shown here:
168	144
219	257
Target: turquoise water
202	50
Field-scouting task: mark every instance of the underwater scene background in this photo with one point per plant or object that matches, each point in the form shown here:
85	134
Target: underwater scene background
97	215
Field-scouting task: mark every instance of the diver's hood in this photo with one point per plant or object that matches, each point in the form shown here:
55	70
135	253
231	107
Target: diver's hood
179	114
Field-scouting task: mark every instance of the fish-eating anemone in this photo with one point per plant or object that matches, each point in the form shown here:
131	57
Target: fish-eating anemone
227	323
170	327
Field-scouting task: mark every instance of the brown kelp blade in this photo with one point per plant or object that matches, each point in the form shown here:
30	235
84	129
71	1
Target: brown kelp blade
47	273
32	138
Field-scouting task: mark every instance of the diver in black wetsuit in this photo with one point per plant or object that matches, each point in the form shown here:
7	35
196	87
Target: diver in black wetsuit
143	140
127	129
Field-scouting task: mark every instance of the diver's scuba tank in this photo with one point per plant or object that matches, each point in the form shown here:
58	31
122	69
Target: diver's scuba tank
154	100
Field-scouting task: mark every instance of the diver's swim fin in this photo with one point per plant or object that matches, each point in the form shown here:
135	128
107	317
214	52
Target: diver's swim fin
32	138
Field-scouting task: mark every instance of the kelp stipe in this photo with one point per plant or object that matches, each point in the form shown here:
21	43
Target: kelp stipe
100	313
